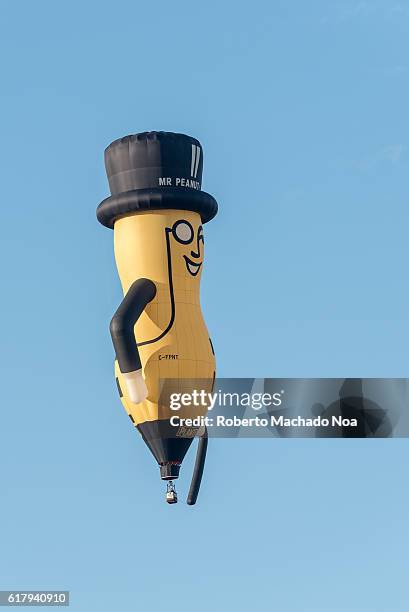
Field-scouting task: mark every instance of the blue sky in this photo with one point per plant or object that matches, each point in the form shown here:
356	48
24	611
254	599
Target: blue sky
302	110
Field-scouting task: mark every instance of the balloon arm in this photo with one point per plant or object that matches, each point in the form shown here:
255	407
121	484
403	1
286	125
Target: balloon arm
198	470
140	293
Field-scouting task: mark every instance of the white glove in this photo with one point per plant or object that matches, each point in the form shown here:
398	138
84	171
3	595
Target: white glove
136	386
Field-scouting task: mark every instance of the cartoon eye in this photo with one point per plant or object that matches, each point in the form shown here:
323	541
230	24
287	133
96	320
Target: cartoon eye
183	232
200	234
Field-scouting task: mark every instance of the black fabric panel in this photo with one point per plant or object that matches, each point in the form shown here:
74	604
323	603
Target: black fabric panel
160	438
119	387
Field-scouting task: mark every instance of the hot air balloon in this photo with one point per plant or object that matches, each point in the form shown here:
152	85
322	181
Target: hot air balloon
157	211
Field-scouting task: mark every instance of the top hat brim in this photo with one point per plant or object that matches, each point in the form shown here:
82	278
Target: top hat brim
131	202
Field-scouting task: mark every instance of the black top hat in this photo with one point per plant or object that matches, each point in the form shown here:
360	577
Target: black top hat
155	171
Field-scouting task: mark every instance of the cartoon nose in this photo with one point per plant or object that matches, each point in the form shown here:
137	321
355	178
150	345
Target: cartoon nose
193	253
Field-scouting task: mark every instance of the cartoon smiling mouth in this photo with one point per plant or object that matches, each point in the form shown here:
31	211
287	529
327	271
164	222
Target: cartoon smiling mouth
192	267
